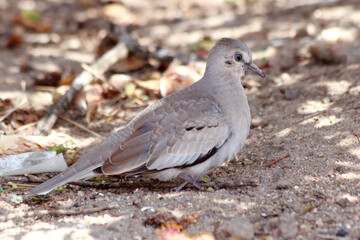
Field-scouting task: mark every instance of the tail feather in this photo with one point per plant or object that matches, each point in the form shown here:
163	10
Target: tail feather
60	180
84	167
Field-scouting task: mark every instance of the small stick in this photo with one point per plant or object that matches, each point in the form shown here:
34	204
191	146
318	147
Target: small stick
118	52
277	160
82	127
56	200
60	212
93	72
21	128
21	103
357	136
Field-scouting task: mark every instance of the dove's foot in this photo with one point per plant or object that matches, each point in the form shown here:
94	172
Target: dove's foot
189	179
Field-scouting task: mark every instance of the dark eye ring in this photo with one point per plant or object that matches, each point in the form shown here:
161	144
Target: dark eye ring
238	57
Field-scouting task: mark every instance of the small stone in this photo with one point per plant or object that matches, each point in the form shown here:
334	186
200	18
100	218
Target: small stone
303	229
237	227
258	122
341	233
288	226
290	93
151	209
319	222
326	53
269	127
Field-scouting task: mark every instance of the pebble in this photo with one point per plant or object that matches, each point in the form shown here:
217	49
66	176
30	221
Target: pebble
288	226
341	233
236	228
319	222
151	209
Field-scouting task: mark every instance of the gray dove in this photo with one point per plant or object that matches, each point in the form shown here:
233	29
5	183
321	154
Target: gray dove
182	135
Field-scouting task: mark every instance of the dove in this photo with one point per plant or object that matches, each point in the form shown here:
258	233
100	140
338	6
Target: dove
183	135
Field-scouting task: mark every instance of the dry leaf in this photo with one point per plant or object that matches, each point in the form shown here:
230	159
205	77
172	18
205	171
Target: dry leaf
49	79
118	14
14	144
89	99
130	89
118	81
152	85
177	77
13	41
32	25
131	63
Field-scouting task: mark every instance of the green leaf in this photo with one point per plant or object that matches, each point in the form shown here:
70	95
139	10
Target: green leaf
30	14
130	89
13	185
40	199
100	179
283	204
207	43
145	98
308	208
210	189
205	179
58	149
265	61
59	189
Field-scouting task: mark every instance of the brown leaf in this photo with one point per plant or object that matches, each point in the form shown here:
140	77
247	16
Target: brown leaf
131	63
119	14
90	95
177	77
152	85
32	25
5	104
118	81
14	144
49	79
13	41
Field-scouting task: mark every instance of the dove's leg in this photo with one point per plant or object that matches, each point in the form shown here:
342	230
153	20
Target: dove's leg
189	179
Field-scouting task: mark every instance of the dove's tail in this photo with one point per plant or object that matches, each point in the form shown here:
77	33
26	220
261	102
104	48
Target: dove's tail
68	175
84	167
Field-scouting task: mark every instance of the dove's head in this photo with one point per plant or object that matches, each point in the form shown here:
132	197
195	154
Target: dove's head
233	57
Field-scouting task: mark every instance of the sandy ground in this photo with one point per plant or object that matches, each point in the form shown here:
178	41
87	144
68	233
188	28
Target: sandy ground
307	107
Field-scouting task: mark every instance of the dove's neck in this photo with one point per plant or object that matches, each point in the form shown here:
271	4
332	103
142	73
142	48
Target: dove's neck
227	90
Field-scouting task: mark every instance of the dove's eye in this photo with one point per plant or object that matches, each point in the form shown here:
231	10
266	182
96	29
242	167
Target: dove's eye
238	57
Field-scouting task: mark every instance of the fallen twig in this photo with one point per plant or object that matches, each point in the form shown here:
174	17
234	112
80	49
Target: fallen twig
52	201
93	72
20	104
60	212
21	128
277	160
82	127
117	53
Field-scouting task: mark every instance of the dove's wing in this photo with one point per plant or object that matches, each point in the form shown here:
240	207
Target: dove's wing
184	134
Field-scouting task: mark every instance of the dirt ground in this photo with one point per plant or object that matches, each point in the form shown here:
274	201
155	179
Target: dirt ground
306	110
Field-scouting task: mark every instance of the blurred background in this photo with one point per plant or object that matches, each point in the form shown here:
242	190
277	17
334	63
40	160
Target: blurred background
307	107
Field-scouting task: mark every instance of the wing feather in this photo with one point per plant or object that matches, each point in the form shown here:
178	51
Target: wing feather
175	136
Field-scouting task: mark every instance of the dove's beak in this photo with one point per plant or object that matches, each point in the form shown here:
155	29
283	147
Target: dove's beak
253	68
